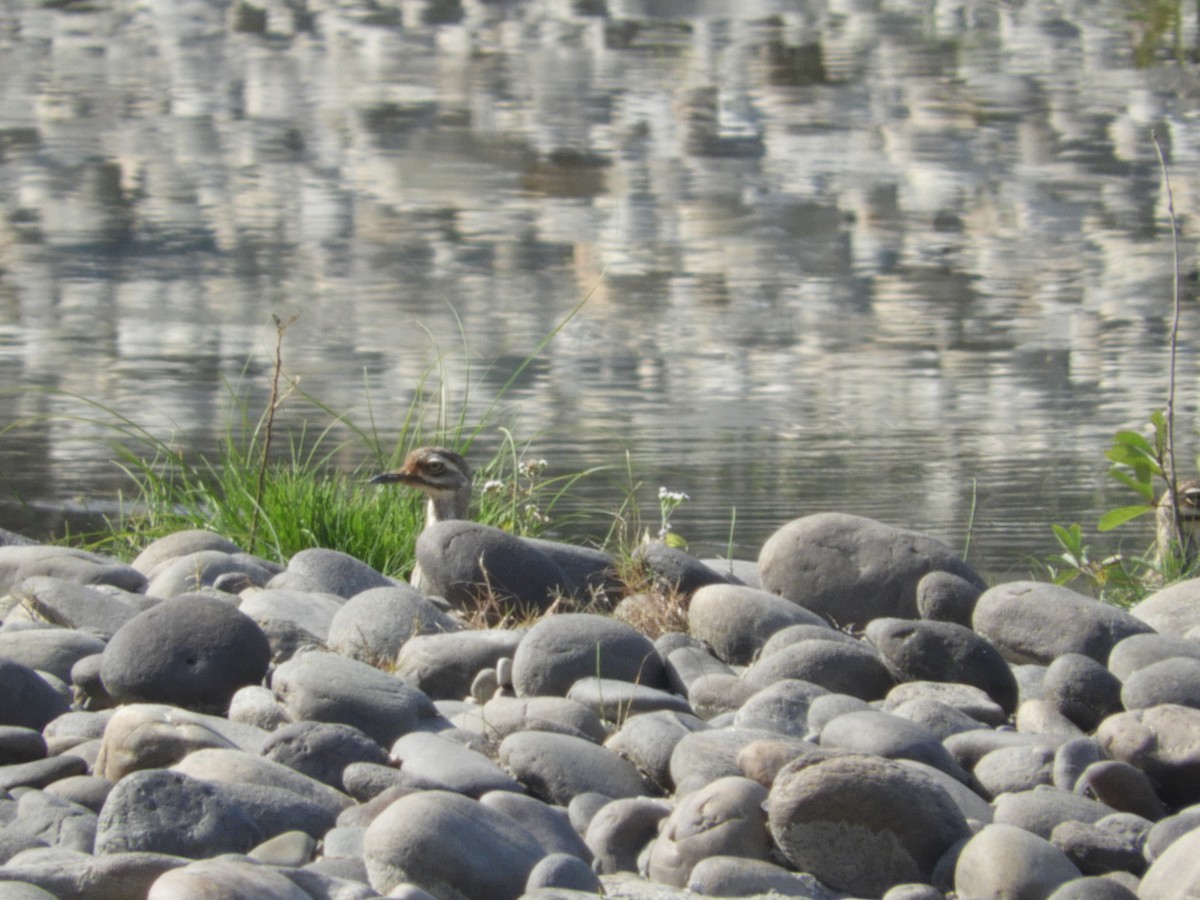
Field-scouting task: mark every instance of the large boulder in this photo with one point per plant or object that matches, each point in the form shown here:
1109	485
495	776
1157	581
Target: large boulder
850	569
559	650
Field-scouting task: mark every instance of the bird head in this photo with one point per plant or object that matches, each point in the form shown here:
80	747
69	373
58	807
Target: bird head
441	474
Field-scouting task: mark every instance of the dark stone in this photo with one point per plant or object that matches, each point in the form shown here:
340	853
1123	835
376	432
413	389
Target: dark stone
26	699
322	750
559	650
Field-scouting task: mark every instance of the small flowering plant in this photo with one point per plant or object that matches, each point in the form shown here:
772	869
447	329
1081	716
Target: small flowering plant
668	502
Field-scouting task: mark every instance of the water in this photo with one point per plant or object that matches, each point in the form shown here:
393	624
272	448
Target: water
911	261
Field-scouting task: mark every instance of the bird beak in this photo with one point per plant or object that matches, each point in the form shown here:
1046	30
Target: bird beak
389	477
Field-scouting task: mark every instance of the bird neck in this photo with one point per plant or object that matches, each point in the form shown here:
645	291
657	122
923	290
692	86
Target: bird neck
442	507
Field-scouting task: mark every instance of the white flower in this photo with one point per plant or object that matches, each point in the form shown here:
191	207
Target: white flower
493	486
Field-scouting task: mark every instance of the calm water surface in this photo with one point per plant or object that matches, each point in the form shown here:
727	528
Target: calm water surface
908	260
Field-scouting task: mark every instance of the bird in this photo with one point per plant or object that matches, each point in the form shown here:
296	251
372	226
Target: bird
1188	522
442	475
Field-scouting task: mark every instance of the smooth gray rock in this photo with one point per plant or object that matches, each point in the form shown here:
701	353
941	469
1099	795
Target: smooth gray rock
373	625
1082	689
276	810
794	634
889	736
443	666
333	572
1093	888
723	818
946	597
834	665
824	709
592	571
827	817
322	750
312	612
12	890
199	570
556	767
851	570
1140	650
41	772
704	756
192	652
1166	831
226	877
1173	610
647	741
562	870
1042	717
1096	850
717	695
1039	810
18	745
467	563
940	718
220	766
258	707
46	820
674	570
325	687
1122	787
18	562
1162	741
685	664
26	699
620	830
97	610
88	791
1072	758
163	551
70	875
445	764
736	621
762	760
502	716
1175	680
943	652
559	650
160	811
1014	769
1035	622
735	876
1176	873
781	707
968	747
977	811
450	846
1007	861
550	825
615	701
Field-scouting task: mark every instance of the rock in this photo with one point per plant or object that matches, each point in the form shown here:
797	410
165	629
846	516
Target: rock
1007	861
1174	681
704	756
1014	769
620	830
647	740
333	572
824	709
559	650
443	764
1140	650
736	621
373	625
561	870
1173	610
450	846
99	611
40	772
685	664
723	818
322	750
762	760
88	791
556	767
312	612
1176	873
592	571
276	810
834	665
1042	717
502	716
259	707
1082	689
968	747
150	735
851	570
734	876
69	875
1039	810
26	699
1096	850
716	695
1162	741
199	570
225	878
675	571
550	825
614	700
1166	831
781	707
165	550
943	652
1122	787
1032	622
160	811
237	767
467	563
192	652
1094	888
827	817
945	597
325	687
19	562
18	745
888	736
940	718
444	665
45	820
1072	758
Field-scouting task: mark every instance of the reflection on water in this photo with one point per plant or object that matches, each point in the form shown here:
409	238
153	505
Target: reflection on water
899	259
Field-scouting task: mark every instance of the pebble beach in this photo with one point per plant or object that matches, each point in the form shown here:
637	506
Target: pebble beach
854	714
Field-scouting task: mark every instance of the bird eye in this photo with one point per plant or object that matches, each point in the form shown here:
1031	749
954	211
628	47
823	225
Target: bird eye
436	467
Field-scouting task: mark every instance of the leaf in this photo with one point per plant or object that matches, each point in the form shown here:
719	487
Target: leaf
1145	488
1116	517
1134	439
